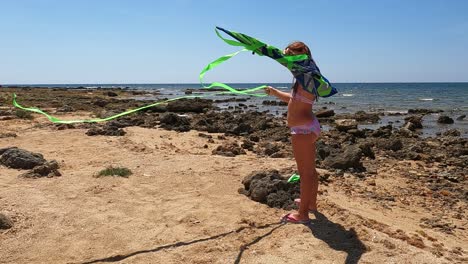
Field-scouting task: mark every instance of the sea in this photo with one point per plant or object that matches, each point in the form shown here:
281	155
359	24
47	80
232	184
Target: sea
391	99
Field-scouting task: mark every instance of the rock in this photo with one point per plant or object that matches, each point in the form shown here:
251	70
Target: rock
325	113
390	144
107	130
254	138
270	148
357	133
5	118
452	133
100	102
323	150
6	113
7	135
413	122
16	158
65	109
229	149
274	102
48	169
5	222
349	158
361	116
443	119
270	188
196	105
460	118
382	132
367	150
110	94
345	124
171	121
423	111
247	144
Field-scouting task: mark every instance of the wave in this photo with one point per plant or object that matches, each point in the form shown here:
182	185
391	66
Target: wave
426	99
348	95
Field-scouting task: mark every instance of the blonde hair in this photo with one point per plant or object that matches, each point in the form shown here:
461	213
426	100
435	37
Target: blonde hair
297	48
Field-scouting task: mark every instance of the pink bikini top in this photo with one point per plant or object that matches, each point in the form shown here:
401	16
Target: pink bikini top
301	98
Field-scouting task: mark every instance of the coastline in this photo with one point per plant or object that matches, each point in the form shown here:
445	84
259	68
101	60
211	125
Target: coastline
395	196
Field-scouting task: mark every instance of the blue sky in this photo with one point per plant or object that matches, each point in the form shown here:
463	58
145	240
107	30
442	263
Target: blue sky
91	41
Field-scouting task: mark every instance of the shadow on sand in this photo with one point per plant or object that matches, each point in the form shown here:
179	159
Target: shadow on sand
337	237
186	243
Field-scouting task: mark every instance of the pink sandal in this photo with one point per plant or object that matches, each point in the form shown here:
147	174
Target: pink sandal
289	218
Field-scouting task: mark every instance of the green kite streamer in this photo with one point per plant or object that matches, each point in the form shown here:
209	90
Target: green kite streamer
96	120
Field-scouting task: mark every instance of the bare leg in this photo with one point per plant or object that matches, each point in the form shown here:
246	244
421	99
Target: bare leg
313	203
304	153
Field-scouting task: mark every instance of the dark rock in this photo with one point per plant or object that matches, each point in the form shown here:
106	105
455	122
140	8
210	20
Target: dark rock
423	111
323	150
65	109
229	149
270	188
204	135
196	105
7	135
48	169
325	113
110	94
357	132
247	144
367	150
452	133
349	158
100	102
345	124
271	148
6	113
171	121
443	119
361	116
413	122
241	129
64	126
460	118
273	102
254	138
390	144
16	158
438	223
107	130
5	222
382	132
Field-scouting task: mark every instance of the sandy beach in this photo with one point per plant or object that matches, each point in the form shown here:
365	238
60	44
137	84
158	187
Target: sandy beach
402	200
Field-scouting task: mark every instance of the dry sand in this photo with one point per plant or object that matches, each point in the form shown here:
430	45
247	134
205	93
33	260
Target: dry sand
182	205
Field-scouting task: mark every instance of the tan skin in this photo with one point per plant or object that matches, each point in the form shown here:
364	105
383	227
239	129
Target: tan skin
300	113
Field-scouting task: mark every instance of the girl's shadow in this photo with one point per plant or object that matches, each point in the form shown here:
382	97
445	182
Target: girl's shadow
337	237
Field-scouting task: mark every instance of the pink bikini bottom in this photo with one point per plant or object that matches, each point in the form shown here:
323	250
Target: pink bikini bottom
311	127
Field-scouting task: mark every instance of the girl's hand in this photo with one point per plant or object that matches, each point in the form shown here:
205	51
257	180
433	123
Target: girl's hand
269	90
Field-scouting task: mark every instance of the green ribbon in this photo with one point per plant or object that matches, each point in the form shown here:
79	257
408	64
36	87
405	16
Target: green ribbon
96	120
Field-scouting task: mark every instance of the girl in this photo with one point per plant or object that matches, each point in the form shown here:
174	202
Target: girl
305	130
